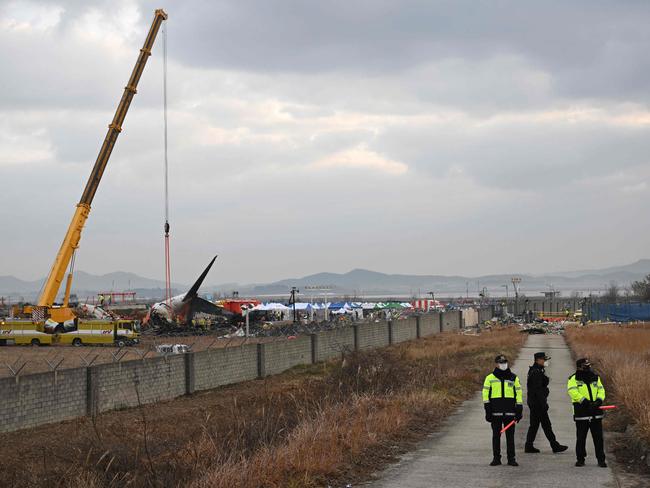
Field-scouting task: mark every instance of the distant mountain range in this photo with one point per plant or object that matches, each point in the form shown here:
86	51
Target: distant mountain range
364	282
640	267
357	282
85	284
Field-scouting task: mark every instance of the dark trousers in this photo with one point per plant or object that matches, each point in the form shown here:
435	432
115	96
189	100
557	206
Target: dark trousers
497	424
596	428
537	417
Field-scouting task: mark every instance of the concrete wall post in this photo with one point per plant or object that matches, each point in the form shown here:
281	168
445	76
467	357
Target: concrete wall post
314	348
261	362
189	373
91	393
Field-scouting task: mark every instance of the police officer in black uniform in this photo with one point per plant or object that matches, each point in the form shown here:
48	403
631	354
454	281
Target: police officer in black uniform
537	399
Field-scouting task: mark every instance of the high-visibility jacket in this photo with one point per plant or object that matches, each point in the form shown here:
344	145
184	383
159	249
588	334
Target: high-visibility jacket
502	392
584	390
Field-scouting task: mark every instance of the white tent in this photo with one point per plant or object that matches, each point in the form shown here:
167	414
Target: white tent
271	306
342	310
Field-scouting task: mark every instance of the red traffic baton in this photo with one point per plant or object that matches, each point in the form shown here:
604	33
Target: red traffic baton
607	407
508	426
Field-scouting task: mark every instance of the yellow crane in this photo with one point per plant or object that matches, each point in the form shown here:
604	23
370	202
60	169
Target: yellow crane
46	308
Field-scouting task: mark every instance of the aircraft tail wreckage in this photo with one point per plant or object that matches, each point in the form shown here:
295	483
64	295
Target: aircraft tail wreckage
181	308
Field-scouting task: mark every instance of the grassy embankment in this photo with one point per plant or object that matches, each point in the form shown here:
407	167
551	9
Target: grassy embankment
327	423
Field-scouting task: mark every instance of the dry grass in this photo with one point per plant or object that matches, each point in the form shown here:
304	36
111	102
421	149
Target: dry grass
622	355
313	426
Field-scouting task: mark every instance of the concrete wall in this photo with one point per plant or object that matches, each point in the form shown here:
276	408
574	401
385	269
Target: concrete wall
404	330
278	356
452	320
542	304
217	367
430	323
32	400
332	343
371	335
37	399
470	317
127	384
485	313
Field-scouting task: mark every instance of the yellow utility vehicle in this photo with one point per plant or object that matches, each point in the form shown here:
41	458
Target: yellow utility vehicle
24	332
100	332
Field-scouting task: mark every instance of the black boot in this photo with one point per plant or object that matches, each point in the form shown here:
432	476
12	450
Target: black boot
531	449
580	463
602	464
512	462
559	448
496	462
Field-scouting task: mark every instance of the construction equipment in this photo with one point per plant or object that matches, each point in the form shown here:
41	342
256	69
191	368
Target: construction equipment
95	332
23	332
46	308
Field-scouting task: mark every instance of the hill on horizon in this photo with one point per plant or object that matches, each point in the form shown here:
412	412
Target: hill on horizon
358	281
365	282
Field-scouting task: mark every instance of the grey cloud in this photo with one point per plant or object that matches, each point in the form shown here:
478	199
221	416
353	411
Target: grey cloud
581	43
259	91
520	154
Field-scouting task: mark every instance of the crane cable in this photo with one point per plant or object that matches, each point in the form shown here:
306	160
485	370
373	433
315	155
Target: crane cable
168	286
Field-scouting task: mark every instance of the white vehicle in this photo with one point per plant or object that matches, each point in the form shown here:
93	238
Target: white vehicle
173	349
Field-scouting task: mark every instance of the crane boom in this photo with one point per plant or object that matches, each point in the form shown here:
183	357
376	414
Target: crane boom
73	235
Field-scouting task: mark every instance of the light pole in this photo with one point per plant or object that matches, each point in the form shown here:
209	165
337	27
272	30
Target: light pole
507	297
246	310
515	281
292	301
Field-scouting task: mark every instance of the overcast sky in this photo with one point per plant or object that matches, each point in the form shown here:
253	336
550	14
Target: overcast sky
429	137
